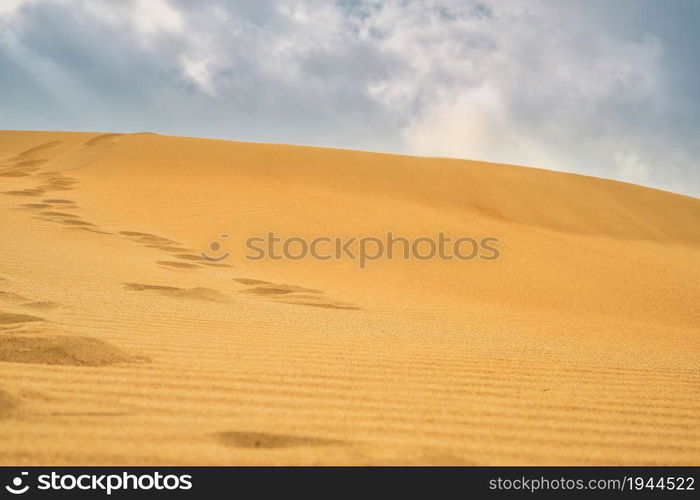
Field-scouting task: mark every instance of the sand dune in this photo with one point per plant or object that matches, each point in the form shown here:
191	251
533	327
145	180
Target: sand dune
121	344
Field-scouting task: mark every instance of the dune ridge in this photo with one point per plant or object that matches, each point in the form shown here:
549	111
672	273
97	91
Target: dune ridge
121	344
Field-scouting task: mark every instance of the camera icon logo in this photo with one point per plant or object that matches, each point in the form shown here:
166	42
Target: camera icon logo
215	247
16	487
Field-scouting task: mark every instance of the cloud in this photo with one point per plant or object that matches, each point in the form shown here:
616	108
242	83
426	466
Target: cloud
9	7
577	86
153	16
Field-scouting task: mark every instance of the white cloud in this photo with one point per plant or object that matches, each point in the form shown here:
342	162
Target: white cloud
9	7
503	82
474	124
155	16
198	71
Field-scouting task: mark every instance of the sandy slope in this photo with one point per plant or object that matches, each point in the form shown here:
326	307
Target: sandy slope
580	345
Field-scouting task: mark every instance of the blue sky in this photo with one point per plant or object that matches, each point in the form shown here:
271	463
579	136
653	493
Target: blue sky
594	87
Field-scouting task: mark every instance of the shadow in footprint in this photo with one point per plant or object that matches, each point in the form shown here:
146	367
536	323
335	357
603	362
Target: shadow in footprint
58	183
187	256
42	306
33	206
148	238
247	281
10	319
55	201
280	289
167	248
293	294
25	192
139	287
264	440
26	163
268	291
62	350
89	229
14	173
73	222
179	265
325	305
7	403
90	413
197	293
30	164
58	214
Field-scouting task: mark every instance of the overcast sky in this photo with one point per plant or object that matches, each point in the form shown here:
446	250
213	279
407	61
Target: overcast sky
599	87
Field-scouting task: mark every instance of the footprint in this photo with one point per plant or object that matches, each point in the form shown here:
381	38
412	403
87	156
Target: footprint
247	281
89	229
62	350
25	192
55	201
263	440
59	183
30	164
57	214
21	169
181	265
293	294
187	256
148	238
90	413
306	296
278	289
42	306
326	305
299	289
139	287
166	245
24	165
15	298
7	403
167	248
11	319
35	205
267	291
14	173
11	297
198	293
73	222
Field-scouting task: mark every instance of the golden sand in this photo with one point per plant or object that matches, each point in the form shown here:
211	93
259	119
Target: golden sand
120	345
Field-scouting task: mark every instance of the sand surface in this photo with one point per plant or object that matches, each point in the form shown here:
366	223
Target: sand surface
120	345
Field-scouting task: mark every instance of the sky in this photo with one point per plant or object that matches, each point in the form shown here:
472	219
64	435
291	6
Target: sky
595	87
